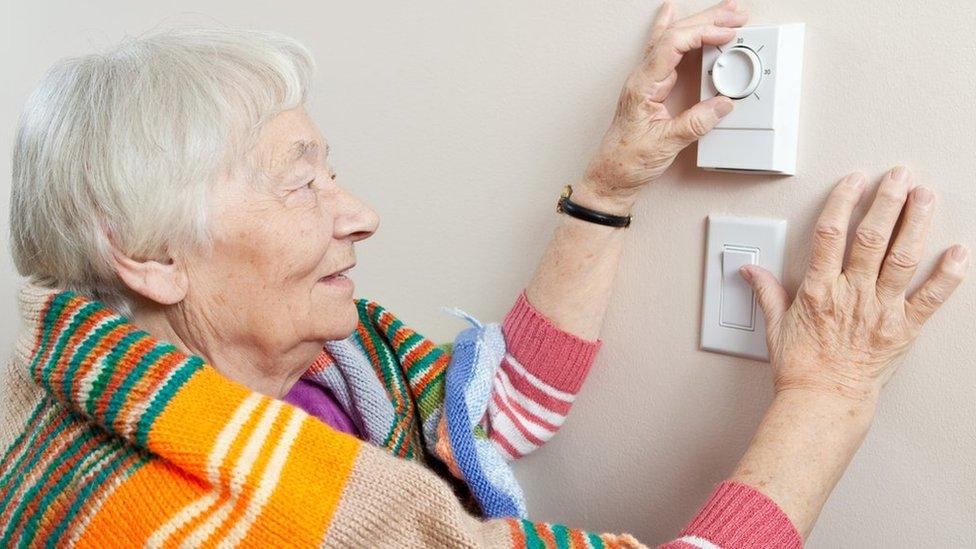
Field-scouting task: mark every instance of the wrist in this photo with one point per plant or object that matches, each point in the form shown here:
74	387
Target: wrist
597	197
846	414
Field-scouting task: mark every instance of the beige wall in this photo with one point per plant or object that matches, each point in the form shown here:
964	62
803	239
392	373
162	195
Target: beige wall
459	122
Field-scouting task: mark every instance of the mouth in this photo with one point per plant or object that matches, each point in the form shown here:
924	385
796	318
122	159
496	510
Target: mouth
338	275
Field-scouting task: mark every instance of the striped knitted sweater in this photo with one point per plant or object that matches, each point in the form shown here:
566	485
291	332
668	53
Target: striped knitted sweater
119	439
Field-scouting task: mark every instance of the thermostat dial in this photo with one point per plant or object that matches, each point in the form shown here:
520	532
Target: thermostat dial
737	72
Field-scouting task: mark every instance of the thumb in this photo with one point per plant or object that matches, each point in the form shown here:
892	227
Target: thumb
770	294
691	125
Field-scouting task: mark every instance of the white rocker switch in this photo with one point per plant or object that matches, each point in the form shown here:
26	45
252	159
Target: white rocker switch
738	308
731	320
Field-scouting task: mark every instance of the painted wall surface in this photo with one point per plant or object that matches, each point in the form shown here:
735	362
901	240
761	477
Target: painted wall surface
460	121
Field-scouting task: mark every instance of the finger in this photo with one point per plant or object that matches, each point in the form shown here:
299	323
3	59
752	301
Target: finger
874	232
695	122
830	233
770	294
724	14
937	289
666	52
663	20
903	258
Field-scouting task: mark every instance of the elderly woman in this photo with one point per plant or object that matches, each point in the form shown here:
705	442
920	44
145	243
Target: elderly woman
193	368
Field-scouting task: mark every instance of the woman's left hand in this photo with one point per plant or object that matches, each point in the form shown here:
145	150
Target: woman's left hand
644	137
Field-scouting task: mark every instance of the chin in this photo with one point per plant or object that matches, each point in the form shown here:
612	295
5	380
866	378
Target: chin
339	320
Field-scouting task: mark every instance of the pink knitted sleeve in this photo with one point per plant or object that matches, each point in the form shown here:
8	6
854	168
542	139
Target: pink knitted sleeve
533	390
537	382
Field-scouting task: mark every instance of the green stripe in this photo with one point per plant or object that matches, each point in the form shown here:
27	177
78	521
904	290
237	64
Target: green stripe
431	397
48	368
111	361
35	431
419	368
53	311
179	377
532	539
595	541
95	483
561	533
148	359
13	488
30	527
28	428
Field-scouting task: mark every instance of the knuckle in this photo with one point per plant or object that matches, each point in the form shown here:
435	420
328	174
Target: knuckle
870	238
902	259
928	300
697	127
828	231
810	297
892	194
951	276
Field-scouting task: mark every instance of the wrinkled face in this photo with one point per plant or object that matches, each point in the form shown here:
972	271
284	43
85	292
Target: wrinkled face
272	280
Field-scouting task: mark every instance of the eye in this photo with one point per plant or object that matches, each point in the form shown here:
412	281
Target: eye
310	183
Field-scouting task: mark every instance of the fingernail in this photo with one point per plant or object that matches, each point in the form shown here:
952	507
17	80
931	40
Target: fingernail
959	253
900	173
723	107
745	273
923	196
855	180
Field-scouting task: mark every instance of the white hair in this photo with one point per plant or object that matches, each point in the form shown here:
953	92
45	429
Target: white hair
128	143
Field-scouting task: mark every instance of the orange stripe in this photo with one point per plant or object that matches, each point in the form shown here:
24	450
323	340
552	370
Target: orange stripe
578	539
515	529
544	530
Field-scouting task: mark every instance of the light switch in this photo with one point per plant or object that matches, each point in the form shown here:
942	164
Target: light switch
738	308
760	69
731	321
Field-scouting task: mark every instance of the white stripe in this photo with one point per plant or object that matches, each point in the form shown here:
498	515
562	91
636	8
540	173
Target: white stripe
699	542
538	383
533	407
269	481
242	469
501	448
512	434
87	383
221	446
539	431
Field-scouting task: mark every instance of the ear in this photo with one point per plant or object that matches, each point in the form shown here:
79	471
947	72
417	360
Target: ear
164	282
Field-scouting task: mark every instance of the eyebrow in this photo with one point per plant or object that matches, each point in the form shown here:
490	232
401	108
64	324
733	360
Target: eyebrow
298	150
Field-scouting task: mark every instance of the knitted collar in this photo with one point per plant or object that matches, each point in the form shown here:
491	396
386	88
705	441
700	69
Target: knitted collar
103	368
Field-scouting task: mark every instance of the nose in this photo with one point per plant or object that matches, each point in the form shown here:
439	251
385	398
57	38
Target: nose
354	219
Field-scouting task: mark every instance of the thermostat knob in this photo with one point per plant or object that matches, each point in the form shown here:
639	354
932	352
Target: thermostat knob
737	72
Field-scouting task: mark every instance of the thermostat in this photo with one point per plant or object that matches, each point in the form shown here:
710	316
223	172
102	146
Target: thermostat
760	70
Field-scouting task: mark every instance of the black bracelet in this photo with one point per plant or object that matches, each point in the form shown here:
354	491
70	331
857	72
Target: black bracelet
566	206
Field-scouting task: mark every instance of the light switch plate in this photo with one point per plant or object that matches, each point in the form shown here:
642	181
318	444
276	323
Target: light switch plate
760	134
731	320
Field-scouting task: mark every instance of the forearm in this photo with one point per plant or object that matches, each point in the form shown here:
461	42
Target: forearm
801	449
574	280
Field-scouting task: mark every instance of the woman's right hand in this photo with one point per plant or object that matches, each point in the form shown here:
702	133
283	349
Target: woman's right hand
852	321
839	341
